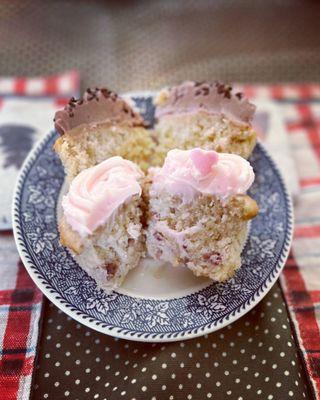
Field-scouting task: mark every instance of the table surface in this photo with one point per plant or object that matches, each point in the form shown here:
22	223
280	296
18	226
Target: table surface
145	45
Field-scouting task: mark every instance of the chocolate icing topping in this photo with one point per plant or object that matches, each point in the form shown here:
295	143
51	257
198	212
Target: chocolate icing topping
213	98
96	106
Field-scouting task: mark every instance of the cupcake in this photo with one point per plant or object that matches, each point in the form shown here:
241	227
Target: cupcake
101	220
199	211
99	126
206	115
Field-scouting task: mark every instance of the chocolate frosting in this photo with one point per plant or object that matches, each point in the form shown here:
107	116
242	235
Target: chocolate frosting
213	98
96	106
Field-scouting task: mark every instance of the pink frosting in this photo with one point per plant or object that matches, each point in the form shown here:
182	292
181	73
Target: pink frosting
187	173
97	192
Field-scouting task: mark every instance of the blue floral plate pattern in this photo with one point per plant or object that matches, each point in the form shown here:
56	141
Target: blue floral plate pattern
147	319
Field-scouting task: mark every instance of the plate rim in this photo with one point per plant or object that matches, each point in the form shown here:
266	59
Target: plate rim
128	334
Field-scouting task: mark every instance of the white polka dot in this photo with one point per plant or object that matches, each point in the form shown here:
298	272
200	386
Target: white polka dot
224	354
247	323
250	340
259	391
164	365
144	388
266	331
198	345
107	384
117	373
290	393
270	397
181	365
209	395
59	327
286	373
88	351
66	393
96	396
98	378
237	380
266	379
58	345
216	364
293	362
154	377
218	383
207	374
245	369
88	333
272	319
107	348
282	354
263	362
57	364
46	375
278	384
77	381
226	373
189	376
67	373
284	326
68	353
173	355
189	397
231	344
153	358
133	381
198	365
253	357
260	344
277	336
296	383
173	376
87	390
229	392
143	369
56	384
163	387
256	374
248	387
78	362
270	348
214	345
274	366
45	396
180	386
182	344
239	333
242	351
87	370
47	355
235	362
289	344
190	355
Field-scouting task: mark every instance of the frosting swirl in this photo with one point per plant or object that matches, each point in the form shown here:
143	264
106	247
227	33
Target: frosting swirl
188	173
98	191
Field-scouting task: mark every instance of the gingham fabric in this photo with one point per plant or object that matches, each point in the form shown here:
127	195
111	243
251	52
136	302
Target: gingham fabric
27	107
300	107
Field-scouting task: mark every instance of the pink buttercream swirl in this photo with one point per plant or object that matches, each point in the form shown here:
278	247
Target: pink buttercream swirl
187	173
97	192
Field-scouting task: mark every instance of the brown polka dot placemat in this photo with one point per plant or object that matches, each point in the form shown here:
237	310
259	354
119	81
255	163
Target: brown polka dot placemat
254	358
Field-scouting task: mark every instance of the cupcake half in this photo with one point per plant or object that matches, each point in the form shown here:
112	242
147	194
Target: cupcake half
101	220
99	126
206	115
199	212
